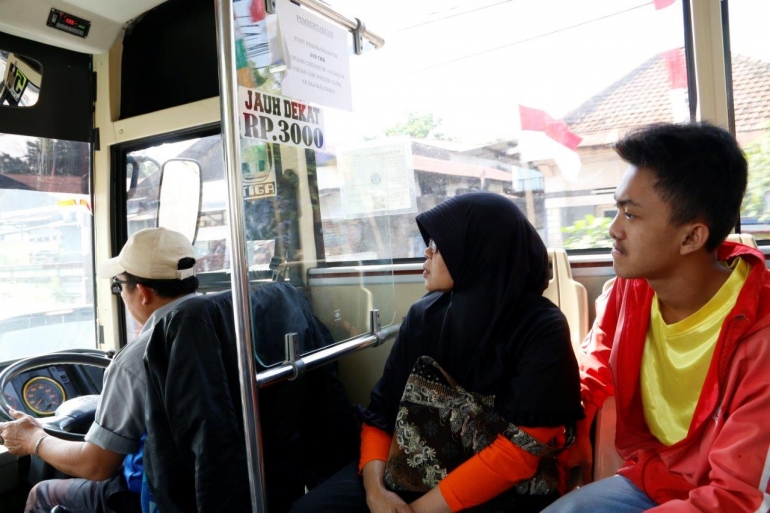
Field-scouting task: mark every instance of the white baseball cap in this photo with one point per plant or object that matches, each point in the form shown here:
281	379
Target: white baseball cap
153	254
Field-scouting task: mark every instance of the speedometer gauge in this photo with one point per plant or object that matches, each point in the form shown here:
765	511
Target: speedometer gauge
43	395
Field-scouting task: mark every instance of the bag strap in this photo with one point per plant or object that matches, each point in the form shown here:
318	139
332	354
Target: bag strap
528	443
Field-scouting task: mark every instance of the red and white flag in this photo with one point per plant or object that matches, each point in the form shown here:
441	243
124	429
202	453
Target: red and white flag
542	138
677	81
677	68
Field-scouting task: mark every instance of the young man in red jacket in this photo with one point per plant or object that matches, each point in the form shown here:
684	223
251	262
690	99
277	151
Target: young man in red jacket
682	338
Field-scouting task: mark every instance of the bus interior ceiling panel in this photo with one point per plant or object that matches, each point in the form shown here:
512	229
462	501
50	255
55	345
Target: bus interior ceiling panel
66	94
169	58
105	20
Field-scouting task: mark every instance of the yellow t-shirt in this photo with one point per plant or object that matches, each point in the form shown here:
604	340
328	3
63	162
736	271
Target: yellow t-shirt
677	357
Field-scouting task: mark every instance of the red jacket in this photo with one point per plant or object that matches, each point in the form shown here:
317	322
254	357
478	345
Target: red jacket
723	464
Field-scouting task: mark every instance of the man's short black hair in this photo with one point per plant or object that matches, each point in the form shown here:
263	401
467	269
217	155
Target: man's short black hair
168	288
701	172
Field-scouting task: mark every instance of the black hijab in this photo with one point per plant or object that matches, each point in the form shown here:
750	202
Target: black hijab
494	332
497	260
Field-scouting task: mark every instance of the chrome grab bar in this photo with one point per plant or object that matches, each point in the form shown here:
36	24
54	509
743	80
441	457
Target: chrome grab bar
289	370
355	25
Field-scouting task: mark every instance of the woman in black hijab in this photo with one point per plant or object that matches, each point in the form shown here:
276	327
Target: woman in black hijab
485	323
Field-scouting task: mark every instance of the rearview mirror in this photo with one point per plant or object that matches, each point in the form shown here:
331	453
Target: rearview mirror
21	79
179	198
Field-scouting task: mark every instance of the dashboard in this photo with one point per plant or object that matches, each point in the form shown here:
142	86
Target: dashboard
39	392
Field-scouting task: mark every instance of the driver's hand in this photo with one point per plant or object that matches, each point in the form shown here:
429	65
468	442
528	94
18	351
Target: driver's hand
21	435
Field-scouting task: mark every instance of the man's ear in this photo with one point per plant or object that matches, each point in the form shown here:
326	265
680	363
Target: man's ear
146	294
694	238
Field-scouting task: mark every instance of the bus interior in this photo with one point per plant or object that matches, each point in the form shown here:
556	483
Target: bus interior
119	116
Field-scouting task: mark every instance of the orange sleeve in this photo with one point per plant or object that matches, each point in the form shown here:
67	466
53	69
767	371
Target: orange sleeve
492	471
375	445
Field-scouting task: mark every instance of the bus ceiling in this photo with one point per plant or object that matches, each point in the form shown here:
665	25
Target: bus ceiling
85	26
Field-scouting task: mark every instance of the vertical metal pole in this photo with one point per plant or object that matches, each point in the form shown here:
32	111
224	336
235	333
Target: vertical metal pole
228	95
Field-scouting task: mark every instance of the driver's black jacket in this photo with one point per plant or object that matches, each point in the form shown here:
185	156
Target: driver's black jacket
195	457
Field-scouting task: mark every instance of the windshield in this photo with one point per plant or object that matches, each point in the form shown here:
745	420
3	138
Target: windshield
46	257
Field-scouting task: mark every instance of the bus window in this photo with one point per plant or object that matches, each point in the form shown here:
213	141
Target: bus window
750	56
143	177
46	257
523	99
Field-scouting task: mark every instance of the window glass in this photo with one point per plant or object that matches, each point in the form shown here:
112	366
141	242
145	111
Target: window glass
523	99
305	201
750	48
46	257
143	176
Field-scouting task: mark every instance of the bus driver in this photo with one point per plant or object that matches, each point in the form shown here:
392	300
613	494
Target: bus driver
153	274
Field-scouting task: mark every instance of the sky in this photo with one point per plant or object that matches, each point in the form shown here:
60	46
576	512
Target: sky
473	62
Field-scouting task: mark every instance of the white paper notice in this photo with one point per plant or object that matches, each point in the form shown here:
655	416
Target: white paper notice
378	179
316	57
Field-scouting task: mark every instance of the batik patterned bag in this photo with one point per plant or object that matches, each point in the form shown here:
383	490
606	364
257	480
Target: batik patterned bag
440	425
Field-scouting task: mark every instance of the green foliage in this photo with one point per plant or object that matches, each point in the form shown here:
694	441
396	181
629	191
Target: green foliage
589	232
12	165
755	204
418	126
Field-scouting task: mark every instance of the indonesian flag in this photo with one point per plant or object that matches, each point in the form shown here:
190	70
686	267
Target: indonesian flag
677	80
545	138
677	69
661	4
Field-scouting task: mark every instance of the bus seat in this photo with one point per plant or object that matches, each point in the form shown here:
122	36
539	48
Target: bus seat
359	371
569	295
743	238
307	426
607	461
552	291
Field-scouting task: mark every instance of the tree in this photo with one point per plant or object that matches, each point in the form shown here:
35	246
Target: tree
12	165
755	204
53	157
589	232
418	126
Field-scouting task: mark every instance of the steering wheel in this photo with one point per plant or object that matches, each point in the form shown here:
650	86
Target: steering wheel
75	414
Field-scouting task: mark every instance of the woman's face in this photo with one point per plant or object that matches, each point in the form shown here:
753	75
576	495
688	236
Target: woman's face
435	272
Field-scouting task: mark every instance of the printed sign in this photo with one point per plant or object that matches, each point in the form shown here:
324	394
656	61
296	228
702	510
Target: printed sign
378	179
257	168
251	23
15	82
274	118
316	56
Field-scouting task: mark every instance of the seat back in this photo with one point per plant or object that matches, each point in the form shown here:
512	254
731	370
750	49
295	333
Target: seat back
743	238
569	295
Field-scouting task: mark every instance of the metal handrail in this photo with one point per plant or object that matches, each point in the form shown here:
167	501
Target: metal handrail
228	97
290	370
228	91
354	25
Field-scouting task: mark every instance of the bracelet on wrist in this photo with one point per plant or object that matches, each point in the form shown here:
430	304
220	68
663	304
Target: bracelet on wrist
37	445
